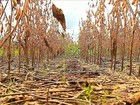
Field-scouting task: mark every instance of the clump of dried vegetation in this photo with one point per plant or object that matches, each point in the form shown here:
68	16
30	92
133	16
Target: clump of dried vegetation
31	31
114	34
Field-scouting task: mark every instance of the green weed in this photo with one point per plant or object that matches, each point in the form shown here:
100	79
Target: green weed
16	52
1	52
87	94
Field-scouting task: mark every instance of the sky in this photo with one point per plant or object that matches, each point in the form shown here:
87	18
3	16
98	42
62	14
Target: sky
73	10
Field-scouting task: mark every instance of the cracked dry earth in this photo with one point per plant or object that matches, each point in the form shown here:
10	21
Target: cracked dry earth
70	82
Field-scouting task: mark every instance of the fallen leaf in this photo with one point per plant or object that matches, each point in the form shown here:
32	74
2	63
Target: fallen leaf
59	15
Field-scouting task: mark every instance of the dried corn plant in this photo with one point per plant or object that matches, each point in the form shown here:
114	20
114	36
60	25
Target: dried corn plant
92	34
115	36
33	32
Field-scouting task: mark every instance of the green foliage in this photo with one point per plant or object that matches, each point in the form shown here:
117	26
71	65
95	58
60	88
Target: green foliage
64	66
16	52
72	50
1	52
87	92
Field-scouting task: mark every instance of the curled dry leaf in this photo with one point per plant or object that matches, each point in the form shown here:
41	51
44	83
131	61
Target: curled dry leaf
58	14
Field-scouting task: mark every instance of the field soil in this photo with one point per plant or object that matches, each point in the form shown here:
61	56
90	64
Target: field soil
70	82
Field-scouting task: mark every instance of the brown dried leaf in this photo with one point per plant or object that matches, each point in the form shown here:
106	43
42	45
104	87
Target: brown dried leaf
59	15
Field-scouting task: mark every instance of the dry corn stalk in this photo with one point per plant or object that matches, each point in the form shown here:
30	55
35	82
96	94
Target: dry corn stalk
123	4
134	2
25	14
14	2
18	1
18	13
1	10
111	2
27	5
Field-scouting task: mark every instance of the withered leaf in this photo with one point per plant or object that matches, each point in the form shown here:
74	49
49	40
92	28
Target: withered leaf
59	15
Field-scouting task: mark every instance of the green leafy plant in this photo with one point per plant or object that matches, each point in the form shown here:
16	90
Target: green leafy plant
87	94
89	91
1	52
16	52
72	50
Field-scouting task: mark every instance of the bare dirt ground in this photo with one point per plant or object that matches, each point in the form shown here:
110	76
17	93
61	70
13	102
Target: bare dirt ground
70	82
